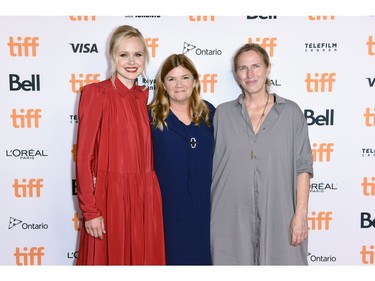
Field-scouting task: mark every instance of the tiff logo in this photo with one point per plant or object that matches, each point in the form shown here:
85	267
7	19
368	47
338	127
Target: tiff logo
152	43
266	43
322	152
208	80
29	257
82	18
368	254
28	119
312	84
76	222
23	47
369	117
28	188
78	83
201	18
320	221
321	17
74	152
368	186
370	43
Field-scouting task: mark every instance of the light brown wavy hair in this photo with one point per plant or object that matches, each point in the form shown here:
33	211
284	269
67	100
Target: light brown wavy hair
160	105
261	52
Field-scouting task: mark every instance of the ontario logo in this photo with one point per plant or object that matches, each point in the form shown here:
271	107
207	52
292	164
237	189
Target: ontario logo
13	222
313	258
188	47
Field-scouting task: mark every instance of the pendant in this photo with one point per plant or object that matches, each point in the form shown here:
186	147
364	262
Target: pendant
193	142
252	154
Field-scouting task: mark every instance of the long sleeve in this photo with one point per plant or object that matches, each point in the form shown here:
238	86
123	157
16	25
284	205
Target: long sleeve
89	116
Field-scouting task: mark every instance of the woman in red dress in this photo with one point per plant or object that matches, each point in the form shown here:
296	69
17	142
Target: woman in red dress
117	188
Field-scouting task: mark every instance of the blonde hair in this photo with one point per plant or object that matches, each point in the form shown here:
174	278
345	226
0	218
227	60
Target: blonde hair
121	33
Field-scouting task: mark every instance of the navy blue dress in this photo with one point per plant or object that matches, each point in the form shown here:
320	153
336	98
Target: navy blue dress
183	164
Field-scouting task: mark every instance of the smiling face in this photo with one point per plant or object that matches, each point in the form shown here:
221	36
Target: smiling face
130	60
179	84
252	72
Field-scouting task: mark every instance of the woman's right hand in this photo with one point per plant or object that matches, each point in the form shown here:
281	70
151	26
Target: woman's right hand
95	227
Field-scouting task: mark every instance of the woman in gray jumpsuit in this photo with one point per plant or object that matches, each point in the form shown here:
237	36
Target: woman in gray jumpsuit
261	172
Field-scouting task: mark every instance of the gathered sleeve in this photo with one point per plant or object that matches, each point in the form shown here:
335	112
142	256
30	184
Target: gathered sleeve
89	117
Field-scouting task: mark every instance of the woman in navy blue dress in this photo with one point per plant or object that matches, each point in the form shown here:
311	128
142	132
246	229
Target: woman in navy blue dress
183	142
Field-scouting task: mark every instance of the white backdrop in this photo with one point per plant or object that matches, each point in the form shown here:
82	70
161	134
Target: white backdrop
324	63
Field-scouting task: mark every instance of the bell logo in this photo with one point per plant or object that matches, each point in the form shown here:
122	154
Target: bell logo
368	254
201	18
28	119
27	85
29	257
320	120
266	43
369	117
76	222
368	186
27	187
261	17
208	80
319	221
366	220
23	47
78	83
370	43
312	84
152	43
324	149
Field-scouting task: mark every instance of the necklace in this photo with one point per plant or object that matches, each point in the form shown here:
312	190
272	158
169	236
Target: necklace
261	117
259	122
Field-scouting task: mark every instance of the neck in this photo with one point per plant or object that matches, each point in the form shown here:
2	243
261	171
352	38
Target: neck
182	111
256	100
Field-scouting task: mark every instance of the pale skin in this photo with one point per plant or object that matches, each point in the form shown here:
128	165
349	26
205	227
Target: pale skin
179	84
252	74
130	63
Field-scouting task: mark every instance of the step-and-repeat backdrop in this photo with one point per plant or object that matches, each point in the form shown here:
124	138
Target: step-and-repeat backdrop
324	63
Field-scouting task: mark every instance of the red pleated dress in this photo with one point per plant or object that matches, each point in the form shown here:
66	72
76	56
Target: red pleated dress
114	146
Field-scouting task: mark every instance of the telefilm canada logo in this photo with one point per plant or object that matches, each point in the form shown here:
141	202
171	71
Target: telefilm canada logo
321	47
14	222
73	118
188	47
368	151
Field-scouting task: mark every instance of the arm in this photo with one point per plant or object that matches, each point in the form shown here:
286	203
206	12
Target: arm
299	227
304	166
89	113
